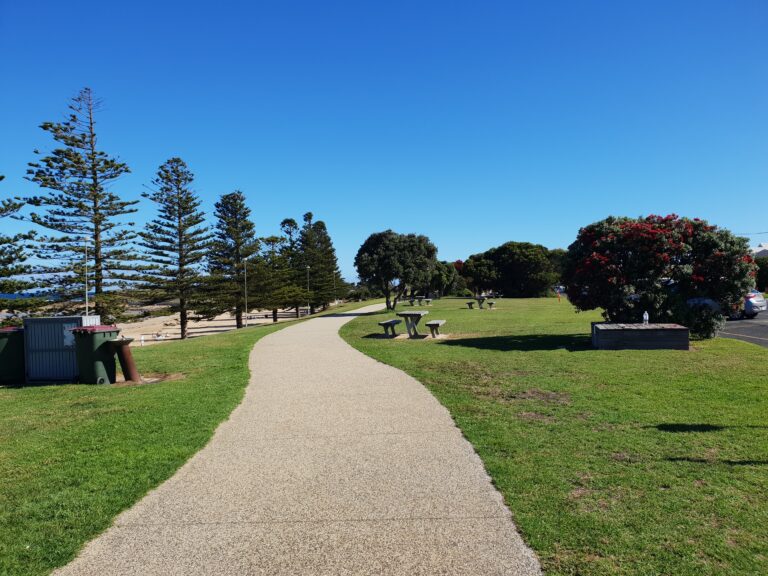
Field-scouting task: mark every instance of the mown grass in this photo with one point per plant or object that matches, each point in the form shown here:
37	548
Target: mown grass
612	462
74	456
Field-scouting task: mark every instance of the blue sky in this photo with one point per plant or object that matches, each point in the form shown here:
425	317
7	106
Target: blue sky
474	123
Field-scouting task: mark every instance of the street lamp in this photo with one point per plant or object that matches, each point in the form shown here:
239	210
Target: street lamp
307	289
245	271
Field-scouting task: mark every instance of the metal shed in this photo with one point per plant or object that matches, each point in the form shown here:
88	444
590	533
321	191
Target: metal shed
49	347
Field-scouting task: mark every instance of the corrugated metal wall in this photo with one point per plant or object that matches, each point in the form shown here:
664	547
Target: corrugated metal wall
49	347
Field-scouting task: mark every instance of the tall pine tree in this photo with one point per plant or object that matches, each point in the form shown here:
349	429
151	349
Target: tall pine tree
274	279
234	242
175	243
82	213
12	263
317	251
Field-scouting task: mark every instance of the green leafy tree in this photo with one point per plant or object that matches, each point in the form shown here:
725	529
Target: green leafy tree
523	270
443	278
391	263
658	264
175	243
556	259
234	242
762	273
516	269
82	213
480	273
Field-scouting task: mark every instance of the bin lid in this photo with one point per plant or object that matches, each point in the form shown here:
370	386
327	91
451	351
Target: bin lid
102	328
12	329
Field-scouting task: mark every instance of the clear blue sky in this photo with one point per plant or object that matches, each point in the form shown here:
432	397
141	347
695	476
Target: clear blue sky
471	122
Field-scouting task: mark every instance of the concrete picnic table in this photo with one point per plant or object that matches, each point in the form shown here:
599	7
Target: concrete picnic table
412	320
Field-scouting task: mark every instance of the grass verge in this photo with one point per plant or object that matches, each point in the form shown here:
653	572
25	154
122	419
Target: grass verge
72	457
612	462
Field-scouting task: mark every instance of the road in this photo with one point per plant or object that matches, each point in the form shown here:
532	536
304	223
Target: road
755	330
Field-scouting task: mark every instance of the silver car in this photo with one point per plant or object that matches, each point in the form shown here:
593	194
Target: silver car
754	303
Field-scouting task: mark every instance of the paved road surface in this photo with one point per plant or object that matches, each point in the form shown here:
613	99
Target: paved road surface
333	464
755	330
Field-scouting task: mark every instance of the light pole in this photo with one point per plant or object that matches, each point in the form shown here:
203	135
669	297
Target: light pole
335	299
85	242
245	271
307	289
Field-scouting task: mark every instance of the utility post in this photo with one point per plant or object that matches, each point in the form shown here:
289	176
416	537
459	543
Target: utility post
308	289
85	242
245	272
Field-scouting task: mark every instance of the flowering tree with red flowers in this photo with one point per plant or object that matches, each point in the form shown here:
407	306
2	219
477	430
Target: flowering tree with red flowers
658	264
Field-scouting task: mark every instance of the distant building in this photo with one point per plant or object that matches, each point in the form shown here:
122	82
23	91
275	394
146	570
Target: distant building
760	251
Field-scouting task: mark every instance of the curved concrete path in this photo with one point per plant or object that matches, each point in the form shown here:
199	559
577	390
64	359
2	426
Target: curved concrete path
333	464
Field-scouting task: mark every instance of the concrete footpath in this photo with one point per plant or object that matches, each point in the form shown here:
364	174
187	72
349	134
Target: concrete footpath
333	464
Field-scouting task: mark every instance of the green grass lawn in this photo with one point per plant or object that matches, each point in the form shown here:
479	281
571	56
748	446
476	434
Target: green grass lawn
72	457
612	462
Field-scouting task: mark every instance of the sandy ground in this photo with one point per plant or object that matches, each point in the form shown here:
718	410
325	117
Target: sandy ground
166	328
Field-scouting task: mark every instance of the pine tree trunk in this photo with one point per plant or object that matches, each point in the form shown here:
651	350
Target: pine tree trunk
274	315
239	316
183	317
298	311
98	260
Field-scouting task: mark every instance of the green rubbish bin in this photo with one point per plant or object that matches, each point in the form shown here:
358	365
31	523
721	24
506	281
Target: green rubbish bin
95	354
12	365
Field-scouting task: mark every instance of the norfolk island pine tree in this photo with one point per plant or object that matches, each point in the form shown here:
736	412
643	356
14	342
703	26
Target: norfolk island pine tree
234	243
176	241
80	210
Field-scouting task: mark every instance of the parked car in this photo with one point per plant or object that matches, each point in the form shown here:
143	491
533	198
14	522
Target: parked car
754	303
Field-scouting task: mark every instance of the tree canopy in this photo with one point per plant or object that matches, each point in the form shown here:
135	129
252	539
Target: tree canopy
515	269
82	213
658	264
234	242
176	241
392	263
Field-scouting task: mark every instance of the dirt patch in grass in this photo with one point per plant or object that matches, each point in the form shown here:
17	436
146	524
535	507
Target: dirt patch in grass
579	493
624	457
547	396
151	378
535	416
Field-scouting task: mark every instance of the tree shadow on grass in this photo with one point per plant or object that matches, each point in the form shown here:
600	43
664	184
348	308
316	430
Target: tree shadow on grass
348	314
726	462
526	342
378	336
677	428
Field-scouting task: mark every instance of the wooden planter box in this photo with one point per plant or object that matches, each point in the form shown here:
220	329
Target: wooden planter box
607	336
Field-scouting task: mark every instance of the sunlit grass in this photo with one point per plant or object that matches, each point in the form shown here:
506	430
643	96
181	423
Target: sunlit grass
612	462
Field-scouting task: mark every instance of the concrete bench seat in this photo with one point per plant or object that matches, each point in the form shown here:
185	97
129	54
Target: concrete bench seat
434	327
428	301
471	304
491	304
617	336
389	326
